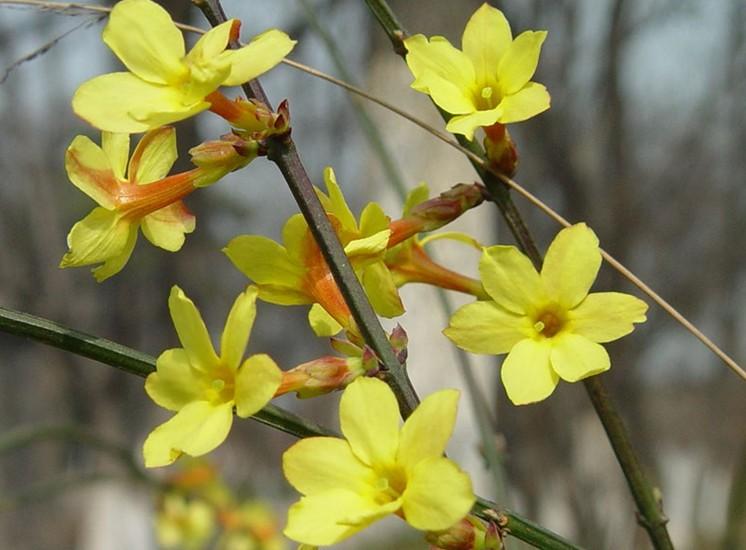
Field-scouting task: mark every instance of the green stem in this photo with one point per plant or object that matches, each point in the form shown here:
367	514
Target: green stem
650	514
43	330
129	360
498	190
396	181
520	528
282	151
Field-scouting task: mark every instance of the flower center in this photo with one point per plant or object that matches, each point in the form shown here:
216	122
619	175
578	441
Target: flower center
549	323
391	483
221	386
489	97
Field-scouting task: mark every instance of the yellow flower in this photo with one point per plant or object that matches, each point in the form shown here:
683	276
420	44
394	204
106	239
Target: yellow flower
164	84
202	387
378	469
136	194
547	322
489	81
297	273
186	524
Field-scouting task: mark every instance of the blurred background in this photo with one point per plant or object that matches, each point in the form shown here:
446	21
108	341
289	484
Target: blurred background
645	141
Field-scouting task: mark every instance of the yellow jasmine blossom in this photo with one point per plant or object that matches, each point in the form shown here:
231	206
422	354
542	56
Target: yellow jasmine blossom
297	273
547	323
488	81
164	83
136	194
202	387
378	469
184	523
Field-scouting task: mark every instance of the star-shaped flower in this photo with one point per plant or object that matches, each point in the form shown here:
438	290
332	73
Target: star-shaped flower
547	323
204	388
488	81
164	83
378	469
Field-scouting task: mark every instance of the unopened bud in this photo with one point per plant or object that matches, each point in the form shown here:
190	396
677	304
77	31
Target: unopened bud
220	157
501	150
320	376
467	534
251	117
399	341
436	212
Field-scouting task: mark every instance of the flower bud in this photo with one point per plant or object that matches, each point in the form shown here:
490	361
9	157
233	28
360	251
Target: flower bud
220	157
251	117
323	375
436	212
501	150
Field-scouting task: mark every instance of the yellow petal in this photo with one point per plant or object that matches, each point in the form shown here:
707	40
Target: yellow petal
527	102
457	236
469	123
519	63
280	279
191	329
257	57
369	418
373	219
571	265
438	495
121	102
101	235
211	44
322	324
415	196
143	36
166	228
295	236
238	327
443	72
257	381
426	432
527	373
485	327
486	38
319	464
607	316
574	357
337	204
175	383
154	156
381	290
116	263
318	519
510	279
117	149
196	429
368	248
90	170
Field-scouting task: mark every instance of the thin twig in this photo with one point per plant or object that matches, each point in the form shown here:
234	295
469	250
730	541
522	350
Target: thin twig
134	362
282	151
129	360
